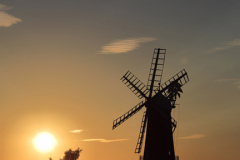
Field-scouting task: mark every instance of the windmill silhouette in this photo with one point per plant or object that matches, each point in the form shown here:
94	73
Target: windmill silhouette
159	102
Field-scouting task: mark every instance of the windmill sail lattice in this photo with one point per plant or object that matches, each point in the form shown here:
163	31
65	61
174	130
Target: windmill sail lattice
141	134
128	114
157	124
135	85
157	65
181	77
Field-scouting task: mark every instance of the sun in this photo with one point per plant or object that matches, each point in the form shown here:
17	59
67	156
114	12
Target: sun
44	142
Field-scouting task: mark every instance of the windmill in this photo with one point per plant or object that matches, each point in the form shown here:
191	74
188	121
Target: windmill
159	102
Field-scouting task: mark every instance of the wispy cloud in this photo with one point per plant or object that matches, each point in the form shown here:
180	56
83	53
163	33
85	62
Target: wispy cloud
238	82
76	131
104	140
225	79
230	44
125	45
6	19
234	80
195	136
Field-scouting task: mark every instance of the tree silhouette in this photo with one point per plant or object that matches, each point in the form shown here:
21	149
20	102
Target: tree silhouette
71	155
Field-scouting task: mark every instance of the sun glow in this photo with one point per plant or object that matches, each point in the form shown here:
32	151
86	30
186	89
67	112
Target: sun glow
44	142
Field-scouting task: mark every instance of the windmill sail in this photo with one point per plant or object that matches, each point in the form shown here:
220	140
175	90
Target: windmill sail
128	114
141	134
181	77
156	69
135	85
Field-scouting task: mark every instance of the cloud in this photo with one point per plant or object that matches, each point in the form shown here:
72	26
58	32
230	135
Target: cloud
104	140
125	45
7	20
235	42
4	8
195	136
76	131
237	81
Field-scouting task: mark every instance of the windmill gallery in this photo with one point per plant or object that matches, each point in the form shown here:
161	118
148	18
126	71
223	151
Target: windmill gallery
159	102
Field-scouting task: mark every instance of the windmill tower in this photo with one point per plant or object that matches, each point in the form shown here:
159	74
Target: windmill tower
159	102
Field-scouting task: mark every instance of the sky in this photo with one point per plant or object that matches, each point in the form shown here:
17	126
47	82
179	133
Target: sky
61	64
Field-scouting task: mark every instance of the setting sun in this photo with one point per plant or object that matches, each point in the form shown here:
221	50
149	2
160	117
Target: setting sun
44	142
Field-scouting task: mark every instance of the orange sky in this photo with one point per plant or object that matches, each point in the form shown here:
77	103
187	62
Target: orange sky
61	64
